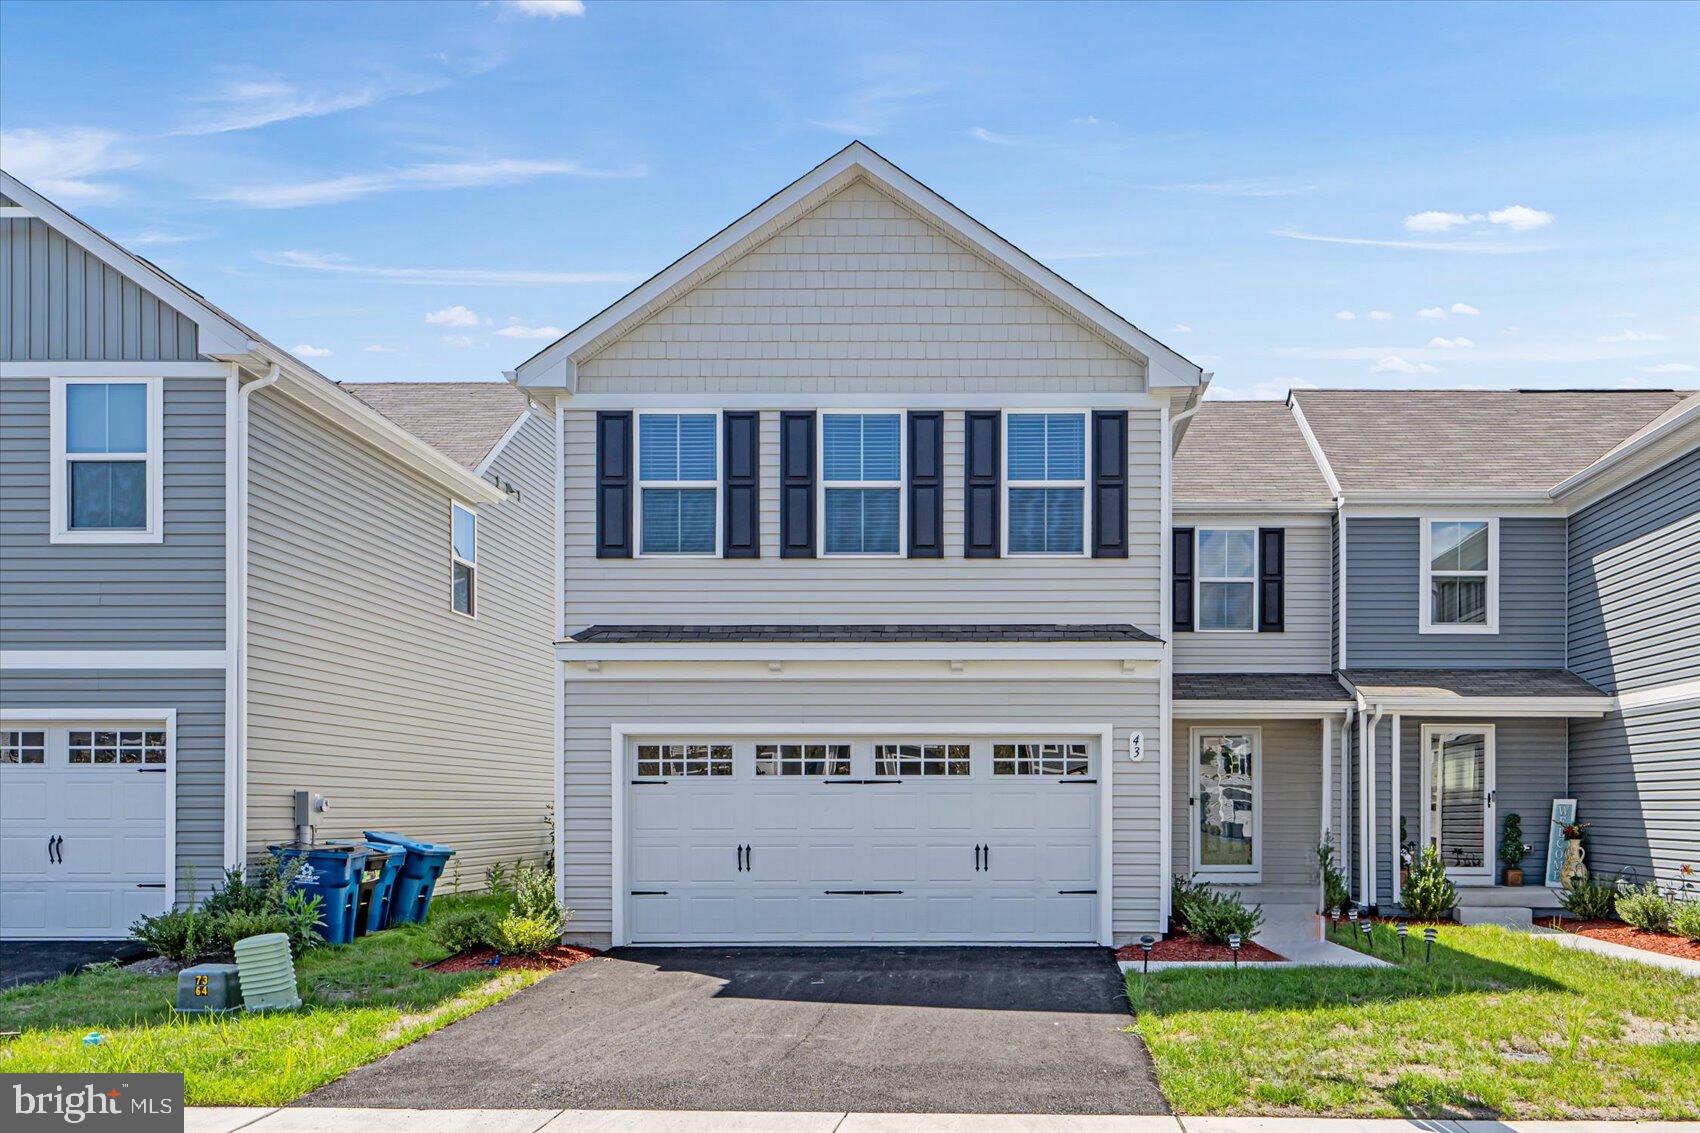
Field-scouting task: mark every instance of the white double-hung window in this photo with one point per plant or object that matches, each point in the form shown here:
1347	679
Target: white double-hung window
1045	505
1227	578
105	483
1460	576
463	560
862	483
678	484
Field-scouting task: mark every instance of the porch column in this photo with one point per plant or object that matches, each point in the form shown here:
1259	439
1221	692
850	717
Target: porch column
1327	803
1393	815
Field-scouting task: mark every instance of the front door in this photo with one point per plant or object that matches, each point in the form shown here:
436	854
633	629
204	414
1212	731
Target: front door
1458	785
1226	800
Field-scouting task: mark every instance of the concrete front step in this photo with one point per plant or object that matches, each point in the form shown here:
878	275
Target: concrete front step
1502	897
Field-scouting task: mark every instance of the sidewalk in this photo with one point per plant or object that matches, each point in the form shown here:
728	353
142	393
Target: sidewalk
326	1120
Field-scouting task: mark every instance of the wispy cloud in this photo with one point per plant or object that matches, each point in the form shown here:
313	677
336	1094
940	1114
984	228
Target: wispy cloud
1463	309
1432	313
426	175
153	237
520	331
996	139
1393	364
1242	187
474	277
1381	316
1180	328
455	316
885	86
378	348
1459	343
545	9
1550	352
307	350
1271	389
1346	316
63	164
249	103
1475	247
1669	368
1434	220
1087	254
1629	334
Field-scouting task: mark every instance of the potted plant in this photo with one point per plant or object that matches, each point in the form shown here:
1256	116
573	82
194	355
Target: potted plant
1574	871
1512	850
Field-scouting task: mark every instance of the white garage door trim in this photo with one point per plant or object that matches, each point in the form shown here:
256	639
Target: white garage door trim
1104	734
118	715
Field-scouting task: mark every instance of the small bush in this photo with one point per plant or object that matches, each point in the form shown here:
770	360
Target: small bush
463	929
1182	894
516	935
1428	895
302	911
1645	907
183	935
534	893
1589	900
1686	920
260	888
496	879
232	927
1211	916
1334	892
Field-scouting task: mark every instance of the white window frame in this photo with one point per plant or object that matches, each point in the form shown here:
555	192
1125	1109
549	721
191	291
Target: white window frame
1489	869
1082	483
1199	579
901	483
1239	875
454	559
641	484
59	480
1425	575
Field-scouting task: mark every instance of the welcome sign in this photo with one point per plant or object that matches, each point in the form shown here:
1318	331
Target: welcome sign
1563	814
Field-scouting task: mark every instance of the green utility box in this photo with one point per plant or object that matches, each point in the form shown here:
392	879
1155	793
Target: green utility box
208	989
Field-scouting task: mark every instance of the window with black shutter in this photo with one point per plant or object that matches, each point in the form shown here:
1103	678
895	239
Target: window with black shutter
1181	577
614	485
1271	571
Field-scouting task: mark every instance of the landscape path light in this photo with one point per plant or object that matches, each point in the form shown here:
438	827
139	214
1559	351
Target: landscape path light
1404	931
1145	945
1369	941
1428	944
1234	945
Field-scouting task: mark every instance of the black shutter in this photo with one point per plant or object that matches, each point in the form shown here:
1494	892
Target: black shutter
1271	571
614	485
1109	484
984	484
741	481
1181	573
797	485
926	484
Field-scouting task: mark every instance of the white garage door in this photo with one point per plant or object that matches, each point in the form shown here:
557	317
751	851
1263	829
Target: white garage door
82	828
831	840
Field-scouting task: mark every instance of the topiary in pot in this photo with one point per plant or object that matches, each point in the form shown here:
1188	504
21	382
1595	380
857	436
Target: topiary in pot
1512	849
1429	895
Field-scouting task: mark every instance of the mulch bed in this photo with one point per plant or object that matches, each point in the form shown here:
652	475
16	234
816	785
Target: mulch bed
1619	933
549	960
1181	948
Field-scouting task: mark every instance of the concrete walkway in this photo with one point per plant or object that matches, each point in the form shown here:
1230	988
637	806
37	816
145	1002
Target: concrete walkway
1293	931
1621	951
723	1121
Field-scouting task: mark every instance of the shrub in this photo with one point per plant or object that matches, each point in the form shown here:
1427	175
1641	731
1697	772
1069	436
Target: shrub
1686	920
463	929
1428	895
496	879
1211	916
260	888
1645	907
1511	848
1589	900
534	893
516	935
183	935
232	927
1182	894
302	911
1334	892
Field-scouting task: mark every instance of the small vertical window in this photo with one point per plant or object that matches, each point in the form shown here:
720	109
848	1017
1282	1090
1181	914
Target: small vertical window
105	482
678	484
1046	459
862	481
1227	578
463	554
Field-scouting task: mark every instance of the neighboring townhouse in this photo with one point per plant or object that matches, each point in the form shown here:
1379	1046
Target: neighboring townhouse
863	587
224	578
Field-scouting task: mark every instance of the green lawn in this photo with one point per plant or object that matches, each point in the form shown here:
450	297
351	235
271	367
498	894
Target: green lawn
1501	1024
360	1002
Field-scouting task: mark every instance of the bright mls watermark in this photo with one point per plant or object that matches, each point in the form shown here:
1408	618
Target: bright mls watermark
97	1103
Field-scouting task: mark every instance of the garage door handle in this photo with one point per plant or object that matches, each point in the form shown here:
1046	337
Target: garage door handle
150	885
1079	782
1076	892
649	893
988	857
858	782
649	782
863	892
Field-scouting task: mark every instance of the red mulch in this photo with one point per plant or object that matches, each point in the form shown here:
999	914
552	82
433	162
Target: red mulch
549	960
1184	949
1619	933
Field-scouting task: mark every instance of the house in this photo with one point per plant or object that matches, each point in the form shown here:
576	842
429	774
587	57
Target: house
225	578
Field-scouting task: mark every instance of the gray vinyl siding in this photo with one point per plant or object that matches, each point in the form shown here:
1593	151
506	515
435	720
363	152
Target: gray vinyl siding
1334	593
363	684
1384	579
127	596
1530	770
1636	780
948	589
694	708
198	698
1303	646
62	303
1635	582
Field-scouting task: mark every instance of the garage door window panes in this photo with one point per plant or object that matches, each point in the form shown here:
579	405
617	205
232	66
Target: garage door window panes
1057	759
921	759
802	759
23	747
677	761
113	748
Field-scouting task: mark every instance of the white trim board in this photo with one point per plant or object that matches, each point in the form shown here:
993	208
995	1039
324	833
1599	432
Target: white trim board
754	669
850	651
178	659
1260	709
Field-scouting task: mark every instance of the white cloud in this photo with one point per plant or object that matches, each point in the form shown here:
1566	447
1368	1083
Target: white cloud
1271	389
152	237
1520	218
1434	221
1470	247
995	139
1631	335
1345	316
1381	316
1247	187
455	316
428	175
308	351
375	348
1449	343
545	9
458	340
516	330
1463	309
1085	120
1393	364
1669	368
1432	313
249	103
1180	328
472	277
60	164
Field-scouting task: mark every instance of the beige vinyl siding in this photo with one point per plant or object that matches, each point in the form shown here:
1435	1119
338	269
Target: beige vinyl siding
1305	645
693	708
363	684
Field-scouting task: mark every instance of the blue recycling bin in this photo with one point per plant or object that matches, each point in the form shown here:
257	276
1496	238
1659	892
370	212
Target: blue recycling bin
377	886
332	871
410	900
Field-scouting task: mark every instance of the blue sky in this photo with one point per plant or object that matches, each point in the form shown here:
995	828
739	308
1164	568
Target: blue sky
1351	195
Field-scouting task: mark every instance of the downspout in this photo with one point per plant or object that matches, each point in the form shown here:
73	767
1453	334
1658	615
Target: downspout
239	640
1366	820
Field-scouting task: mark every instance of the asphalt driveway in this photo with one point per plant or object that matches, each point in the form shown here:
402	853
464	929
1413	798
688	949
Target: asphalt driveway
37	961
944	1030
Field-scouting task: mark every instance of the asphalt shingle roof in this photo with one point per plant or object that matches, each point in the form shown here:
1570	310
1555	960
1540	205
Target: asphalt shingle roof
1469	682
1249	451
1471	440
1259	686
462	420
624	634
